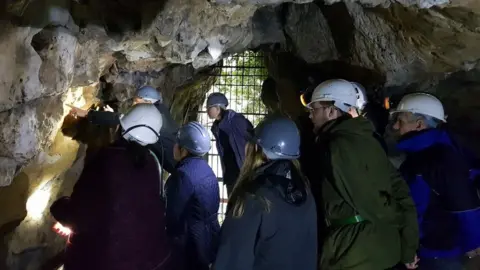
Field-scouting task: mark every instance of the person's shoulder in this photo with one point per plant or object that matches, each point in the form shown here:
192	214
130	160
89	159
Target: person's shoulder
110	150
237	116
194	166
442	151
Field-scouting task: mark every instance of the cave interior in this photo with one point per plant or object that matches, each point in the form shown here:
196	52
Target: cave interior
56	53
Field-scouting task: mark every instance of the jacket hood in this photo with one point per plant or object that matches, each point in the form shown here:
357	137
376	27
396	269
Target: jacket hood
420	140
226	117
284	177
346	125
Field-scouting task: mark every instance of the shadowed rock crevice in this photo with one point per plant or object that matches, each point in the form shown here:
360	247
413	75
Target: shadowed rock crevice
342	27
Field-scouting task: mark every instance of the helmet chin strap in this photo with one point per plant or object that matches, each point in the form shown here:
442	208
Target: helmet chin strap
137	126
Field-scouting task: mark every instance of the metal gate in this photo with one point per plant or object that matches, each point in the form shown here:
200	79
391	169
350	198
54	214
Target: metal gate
241	81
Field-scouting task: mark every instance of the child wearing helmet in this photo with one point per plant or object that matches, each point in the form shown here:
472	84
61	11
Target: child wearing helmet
193	199
231	131
271	215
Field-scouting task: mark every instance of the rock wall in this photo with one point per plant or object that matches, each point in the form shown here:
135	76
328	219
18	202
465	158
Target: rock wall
25	223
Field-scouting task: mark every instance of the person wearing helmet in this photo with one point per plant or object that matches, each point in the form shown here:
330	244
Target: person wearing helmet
438	175
231	131
373	112
366	201
116	207
271	216
146	94
193	199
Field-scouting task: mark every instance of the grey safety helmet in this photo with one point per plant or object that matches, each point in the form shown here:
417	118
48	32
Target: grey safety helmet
150	94
194	137
217	99
279	138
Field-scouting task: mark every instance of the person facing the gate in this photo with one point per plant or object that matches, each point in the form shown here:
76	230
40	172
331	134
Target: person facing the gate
163	148
366	201
193	200
116	210
232	131
438	175
271	216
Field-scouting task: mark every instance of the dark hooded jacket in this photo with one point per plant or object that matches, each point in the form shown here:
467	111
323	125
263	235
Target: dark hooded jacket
116	212
282	238
359	183
193	200
447	203
163	148
231	133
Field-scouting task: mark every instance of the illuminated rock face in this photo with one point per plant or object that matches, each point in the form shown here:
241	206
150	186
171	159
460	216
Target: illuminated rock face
51	174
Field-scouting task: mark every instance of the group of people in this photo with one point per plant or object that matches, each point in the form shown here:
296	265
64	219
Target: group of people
373	217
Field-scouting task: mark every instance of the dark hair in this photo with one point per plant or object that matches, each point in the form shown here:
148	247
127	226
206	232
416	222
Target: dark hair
83	131
137	153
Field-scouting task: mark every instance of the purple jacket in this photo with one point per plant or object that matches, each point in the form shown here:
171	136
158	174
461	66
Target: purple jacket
117	215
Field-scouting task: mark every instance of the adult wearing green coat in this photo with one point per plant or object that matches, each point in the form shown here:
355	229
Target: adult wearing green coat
371	218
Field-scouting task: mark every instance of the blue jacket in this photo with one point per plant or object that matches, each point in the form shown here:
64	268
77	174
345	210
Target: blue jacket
193	200
232	133
447	203
470	157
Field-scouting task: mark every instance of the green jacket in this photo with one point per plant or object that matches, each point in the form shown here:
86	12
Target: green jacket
358	179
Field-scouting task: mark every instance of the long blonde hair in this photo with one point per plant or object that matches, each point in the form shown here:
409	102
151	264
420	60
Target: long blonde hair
254	158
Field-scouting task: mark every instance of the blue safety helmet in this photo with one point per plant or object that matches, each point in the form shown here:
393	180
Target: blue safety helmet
279	138
194	137
150	94
217	99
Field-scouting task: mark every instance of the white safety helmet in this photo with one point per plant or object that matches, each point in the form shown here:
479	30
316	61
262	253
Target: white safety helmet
422	103
361	96
342	92
142	124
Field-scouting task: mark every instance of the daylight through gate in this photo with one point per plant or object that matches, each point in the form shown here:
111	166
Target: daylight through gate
241	81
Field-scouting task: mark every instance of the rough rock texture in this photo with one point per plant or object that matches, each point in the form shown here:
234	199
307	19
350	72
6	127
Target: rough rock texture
57	52
31	103
313	47
26	223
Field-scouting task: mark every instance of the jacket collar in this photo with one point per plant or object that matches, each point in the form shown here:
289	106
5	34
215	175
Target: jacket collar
330	125
286	180
186	160
420	140
226	118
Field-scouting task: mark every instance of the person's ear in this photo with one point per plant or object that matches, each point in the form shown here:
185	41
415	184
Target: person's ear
419	124
330	111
